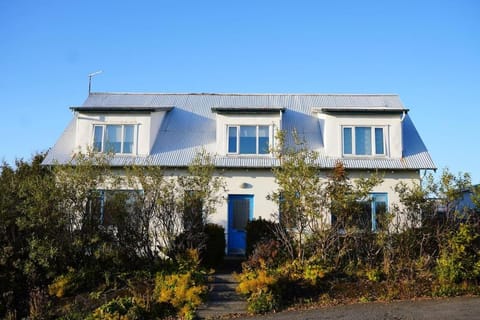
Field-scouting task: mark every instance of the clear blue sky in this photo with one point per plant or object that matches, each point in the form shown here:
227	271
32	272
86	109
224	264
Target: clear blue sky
426	51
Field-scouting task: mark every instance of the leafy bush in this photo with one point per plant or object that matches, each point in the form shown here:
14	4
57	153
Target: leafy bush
215	249
314	272
181	291
374	275
267	254
460	259
184	290
260	287
263	301
258	231
121	308
62	285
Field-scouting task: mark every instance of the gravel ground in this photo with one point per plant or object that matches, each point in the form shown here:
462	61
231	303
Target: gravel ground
434	309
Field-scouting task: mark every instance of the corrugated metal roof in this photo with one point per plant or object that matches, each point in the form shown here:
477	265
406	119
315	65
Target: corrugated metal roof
190	126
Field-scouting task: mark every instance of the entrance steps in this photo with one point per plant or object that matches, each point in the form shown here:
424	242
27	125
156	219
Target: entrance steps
223	300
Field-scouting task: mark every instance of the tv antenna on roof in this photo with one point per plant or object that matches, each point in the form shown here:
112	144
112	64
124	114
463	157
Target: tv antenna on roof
93	74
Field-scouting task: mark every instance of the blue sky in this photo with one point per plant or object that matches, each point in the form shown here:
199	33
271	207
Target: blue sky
428	52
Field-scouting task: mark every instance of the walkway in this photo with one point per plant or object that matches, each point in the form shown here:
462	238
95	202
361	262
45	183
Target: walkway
223	301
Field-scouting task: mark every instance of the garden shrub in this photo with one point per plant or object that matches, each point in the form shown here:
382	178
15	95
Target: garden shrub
314	272
374	275
122	308
181	291
460	259
215	249
70	283
258	230
184	290
261	288
267	254
263	301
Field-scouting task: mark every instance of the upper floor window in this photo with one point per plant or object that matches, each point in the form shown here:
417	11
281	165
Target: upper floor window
363	141
249	139
116	138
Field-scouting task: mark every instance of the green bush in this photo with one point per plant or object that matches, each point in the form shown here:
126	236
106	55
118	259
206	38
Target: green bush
215	249
460	258
263	301
257	231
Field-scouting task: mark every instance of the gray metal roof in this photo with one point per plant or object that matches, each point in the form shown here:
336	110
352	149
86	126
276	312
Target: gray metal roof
190	125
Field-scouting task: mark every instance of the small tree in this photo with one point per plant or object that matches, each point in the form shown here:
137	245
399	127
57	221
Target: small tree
156	209
200	191
174	210
297	194
306	201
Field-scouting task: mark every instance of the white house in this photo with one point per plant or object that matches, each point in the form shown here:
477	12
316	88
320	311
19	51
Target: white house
365	132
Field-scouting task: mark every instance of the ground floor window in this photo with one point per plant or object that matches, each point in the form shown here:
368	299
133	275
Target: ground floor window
107	207
370	213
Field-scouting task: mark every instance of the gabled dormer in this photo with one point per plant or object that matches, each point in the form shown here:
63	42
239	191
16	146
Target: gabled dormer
247	131
122	130
362	132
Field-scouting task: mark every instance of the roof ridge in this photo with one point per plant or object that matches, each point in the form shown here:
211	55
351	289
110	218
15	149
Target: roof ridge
243	94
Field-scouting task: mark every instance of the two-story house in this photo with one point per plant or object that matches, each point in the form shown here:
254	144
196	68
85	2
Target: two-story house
365	132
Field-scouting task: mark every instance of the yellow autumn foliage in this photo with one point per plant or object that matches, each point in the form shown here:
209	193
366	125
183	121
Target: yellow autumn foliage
250	282
181	291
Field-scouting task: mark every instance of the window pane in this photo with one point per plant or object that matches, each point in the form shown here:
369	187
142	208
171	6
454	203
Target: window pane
241	212
363	141
363	218
248	139
263	143
97	138
232	139
380	210
347	140
379	141
113	138
128	139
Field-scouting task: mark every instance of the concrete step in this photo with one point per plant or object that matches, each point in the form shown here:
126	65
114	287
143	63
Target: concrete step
223	278
223	300
219	309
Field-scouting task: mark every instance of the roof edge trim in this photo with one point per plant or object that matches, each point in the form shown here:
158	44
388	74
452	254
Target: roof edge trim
244	110
122	109
353	110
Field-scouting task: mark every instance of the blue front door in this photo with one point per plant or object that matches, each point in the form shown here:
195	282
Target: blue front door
240	211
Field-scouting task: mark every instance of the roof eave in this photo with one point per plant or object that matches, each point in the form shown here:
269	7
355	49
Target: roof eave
247	110
354	110
121	109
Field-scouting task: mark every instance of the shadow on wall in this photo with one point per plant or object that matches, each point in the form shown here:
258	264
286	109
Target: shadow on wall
182	129
307	126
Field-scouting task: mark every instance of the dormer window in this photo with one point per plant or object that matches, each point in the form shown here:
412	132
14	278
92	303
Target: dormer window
247	139
116	138
363	141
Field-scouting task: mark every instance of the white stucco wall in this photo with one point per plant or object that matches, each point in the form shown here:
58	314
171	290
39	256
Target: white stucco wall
260	183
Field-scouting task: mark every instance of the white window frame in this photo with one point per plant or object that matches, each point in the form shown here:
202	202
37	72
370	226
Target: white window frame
122	125
372	141
237	126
